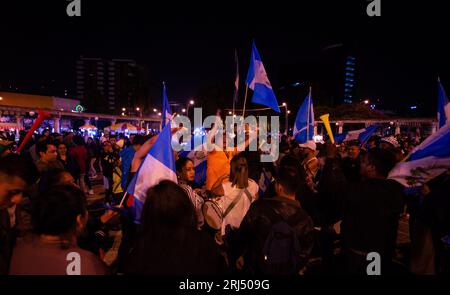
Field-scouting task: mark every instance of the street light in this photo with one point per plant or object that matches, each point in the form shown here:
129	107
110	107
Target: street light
159	114
155	110
123	114
123	109
183	110
137	109
284	104
191	102
366	101
1	98
229	113
289	111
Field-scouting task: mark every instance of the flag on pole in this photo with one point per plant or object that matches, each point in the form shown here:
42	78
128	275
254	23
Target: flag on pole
258	81
166	112
362	135
443	106
159	164
428	160
236	79
304	122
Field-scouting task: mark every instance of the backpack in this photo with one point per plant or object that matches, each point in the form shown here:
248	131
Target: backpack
281	250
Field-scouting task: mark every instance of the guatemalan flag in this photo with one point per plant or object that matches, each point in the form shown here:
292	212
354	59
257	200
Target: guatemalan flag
166	112
428	160
362	135
197	153
443	106
159	164
304	122
258	81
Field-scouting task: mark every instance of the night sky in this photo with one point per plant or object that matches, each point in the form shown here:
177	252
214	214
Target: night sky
191	45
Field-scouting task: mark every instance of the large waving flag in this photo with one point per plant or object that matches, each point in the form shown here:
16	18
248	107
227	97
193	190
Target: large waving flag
426	161
197	154
362	135
159	164
304	122
443	106
258	81
166	112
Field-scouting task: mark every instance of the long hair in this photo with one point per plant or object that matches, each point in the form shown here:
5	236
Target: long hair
239	171
167	207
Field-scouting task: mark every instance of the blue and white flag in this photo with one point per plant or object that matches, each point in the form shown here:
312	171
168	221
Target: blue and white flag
428	160
443	106
304	122
362	135
159	164
258	81
166	112
197	154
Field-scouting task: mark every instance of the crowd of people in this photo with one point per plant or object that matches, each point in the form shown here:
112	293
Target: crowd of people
319	208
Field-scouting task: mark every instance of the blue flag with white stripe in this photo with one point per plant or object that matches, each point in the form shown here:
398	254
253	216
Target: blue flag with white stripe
428	160
159	164
258	81
304	122
362	135
443	106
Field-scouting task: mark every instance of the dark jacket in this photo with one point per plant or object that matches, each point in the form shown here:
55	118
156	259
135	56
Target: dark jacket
369	209
257	224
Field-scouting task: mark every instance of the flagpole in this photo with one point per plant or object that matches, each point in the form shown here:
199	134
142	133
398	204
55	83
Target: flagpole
245	100
309	109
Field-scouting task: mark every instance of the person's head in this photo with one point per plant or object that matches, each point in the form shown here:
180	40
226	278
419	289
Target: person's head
60	210
78	140
5	147
56	177
138	141
14	176
62	149
112	139
307	149
107	147
167	206
377	163
353	150
389	142
46	132
287	182
185	169
90	140
239	171
46	150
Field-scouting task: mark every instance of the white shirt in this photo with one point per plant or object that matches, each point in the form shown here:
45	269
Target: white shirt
235	216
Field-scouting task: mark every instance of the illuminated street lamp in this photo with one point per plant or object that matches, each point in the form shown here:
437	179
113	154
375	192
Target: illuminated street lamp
183	110
155	110
123	109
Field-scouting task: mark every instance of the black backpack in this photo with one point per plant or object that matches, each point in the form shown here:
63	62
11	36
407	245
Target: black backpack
281	250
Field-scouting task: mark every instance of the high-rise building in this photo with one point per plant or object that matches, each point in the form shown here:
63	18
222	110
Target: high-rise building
108	86
349	79
338	73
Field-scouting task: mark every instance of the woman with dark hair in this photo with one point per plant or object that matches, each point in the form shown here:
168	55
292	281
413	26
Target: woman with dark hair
237	191
67	161
186	176
59	216
169	242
